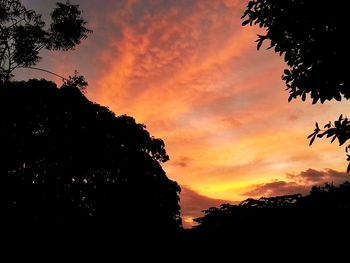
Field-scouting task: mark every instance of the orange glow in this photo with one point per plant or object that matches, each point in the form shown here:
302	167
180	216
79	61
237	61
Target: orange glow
188	221
191	73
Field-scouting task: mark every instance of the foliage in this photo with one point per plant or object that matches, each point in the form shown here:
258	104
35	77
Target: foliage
339	130
229	215
23	34
329	195
290	214
76	81
311	35
68	161
271	202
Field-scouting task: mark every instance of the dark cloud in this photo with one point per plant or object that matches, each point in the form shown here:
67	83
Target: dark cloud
300	183
182	161
293	117
276	188
192	205
312	176
231	121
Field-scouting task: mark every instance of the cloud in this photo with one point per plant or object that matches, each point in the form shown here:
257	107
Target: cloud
182	161
191	73
276	188
192	204
312	176
300	183
293	117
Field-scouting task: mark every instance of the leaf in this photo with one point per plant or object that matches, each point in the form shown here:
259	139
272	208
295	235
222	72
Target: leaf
303	97
327	125
317	126
342	140
322	134
337	96
312	134
259	43
331	132
335	136
347	170
245	22
312	140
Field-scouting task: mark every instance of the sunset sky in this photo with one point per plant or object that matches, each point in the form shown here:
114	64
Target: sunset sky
191	73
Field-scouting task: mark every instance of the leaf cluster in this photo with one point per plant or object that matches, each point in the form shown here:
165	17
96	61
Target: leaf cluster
23	34
337	130
311	36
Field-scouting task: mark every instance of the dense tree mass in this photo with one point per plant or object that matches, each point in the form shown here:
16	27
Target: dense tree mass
68	161
69	165
311	36
23	34
282	216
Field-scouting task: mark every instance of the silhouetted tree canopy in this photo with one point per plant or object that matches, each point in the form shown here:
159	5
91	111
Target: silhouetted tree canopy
248	213
311	35
68	161
290	215
23	34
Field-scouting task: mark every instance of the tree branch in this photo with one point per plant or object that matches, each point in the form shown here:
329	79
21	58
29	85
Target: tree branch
47	71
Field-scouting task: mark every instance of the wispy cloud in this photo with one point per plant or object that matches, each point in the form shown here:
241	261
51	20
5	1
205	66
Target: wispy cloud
312	176
276	188
299	183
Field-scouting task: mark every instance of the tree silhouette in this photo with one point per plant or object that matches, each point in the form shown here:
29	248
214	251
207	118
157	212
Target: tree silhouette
281	218
23	34
66	161
249	213
311	35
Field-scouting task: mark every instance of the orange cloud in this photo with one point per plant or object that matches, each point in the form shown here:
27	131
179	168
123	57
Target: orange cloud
193	76
191	73
298	183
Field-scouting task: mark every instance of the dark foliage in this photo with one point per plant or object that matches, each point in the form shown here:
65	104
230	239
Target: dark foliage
67	28
69	163
311	36
339	129
23	34
281	218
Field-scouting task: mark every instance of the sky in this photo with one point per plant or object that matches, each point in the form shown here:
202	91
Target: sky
191	73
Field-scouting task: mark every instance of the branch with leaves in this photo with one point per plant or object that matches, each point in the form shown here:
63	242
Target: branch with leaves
310	36
23	34
339	130
312	43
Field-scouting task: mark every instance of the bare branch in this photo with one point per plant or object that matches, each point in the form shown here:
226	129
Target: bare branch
47	71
